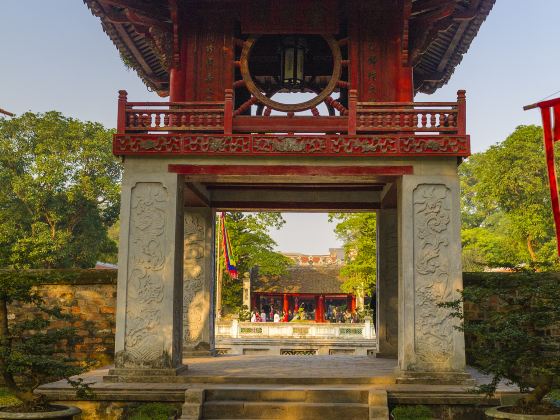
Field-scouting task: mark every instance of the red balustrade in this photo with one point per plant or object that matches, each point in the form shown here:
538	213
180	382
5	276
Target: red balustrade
435	118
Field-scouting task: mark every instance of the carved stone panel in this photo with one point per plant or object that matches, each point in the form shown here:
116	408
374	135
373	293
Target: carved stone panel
434	330
387	282
144	344
196	295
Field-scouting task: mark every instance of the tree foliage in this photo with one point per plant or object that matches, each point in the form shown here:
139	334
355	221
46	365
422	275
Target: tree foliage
60	191
507	218
358	231
512	339
252	246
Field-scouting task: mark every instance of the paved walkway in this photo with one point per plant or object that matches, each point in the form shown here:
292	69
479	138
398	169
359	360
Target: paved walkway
291	366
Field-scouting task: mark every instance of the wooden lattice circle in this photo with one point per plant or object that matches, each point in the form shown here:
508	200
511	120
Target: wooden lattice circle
279	106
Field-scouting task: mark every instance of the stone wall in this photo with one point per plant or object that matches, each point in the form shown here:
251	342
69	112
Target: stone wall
89	295
507	286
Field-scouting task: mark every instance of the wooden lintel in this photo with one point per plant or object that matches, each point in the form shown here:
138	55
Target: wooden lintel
196	190
291	170
293	206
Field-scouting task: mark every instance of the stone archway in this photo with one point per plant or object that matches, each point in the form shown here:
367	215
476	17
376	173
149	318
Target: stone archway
419	234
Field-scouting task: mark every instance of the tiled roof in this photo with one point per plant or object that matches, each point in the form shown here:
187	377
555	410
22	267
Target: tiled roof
301	280
438	40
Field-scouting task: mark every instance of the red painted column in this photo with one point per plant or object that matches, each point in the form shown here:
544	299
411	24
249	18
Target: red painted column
321	308
253	302
348	302
353	305
317	309
286	304
121	112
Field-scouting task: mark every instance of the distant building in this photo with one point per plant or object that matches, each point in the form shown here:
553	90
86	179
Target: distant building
335	257
314	283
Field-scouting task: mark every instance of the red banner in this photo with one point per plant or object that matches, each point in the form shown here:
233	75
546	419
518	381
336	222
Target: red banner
550	111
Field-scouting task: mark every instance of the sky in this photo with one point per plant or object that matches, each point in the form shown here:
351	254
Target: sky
55	55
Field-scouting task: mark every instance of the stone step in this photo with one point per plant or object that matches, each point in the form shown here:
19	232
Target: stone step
299	394
284	410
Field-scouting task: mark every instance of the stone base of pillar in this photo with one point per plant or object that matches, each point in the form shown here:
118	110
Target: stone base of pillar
190	353
200	350
389	355
143	375
434	378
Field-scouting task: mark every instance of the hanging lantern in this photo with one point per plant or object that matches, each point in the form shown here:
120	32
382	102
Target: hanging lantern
292	59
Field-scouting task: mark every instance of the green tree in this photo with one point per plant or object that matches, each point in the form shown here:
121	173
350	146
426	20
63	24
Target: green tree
358	231
252	246
506	203
60	191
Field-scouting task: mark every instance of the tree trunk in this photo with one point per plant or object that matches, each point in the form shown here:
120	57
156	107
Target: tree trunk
27	397
537	395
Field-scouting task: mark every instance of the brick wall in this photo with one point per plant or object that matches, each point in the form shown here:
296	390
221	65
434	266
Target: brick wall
507	283
90	295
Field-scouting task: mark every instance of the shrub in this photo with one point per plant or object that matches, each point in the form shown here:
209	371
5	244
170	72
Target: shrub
412	412
512	340
30	351
152	411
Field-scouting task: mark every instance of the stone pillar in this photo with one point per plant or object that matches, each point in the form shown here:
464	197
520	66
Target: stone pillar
198	283
247	290
387	299
429	227
149	290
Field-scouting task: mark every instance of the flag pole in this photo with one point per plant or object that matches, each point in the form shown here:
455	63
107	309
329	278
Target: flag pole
219	272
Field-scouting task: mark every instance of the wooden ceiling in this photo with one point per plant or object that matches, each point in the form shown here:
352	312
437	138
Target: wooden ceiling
438	34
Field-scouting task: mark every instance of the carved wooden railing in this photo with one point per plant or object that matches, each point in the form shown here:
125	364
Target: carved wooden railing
447	118
145	117
418	117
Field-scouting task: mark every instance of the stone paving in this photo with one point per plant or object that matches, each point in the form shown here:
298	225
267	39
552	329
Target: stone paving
292	366
314	367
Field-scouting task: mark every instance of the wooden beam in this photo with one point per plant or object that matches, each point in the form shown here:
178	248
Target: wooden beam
125	37
292	206
291	170
198	191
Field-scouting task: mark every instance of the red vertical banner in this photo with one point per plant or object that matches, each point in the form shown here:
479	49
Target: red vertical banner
550	112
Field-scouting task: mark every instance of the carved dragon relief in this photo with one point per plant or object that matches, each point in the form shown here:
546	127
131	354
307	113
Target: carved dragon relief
144	344
433	325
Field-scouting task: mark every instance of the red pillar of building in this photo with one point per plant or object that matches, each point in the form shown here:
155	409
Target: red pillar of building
353	305
253	302
317	309
286	305
349	302
321	308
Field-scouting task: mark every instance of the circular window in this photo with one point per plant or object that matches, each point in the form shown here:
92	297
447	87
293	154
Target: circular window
292	63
